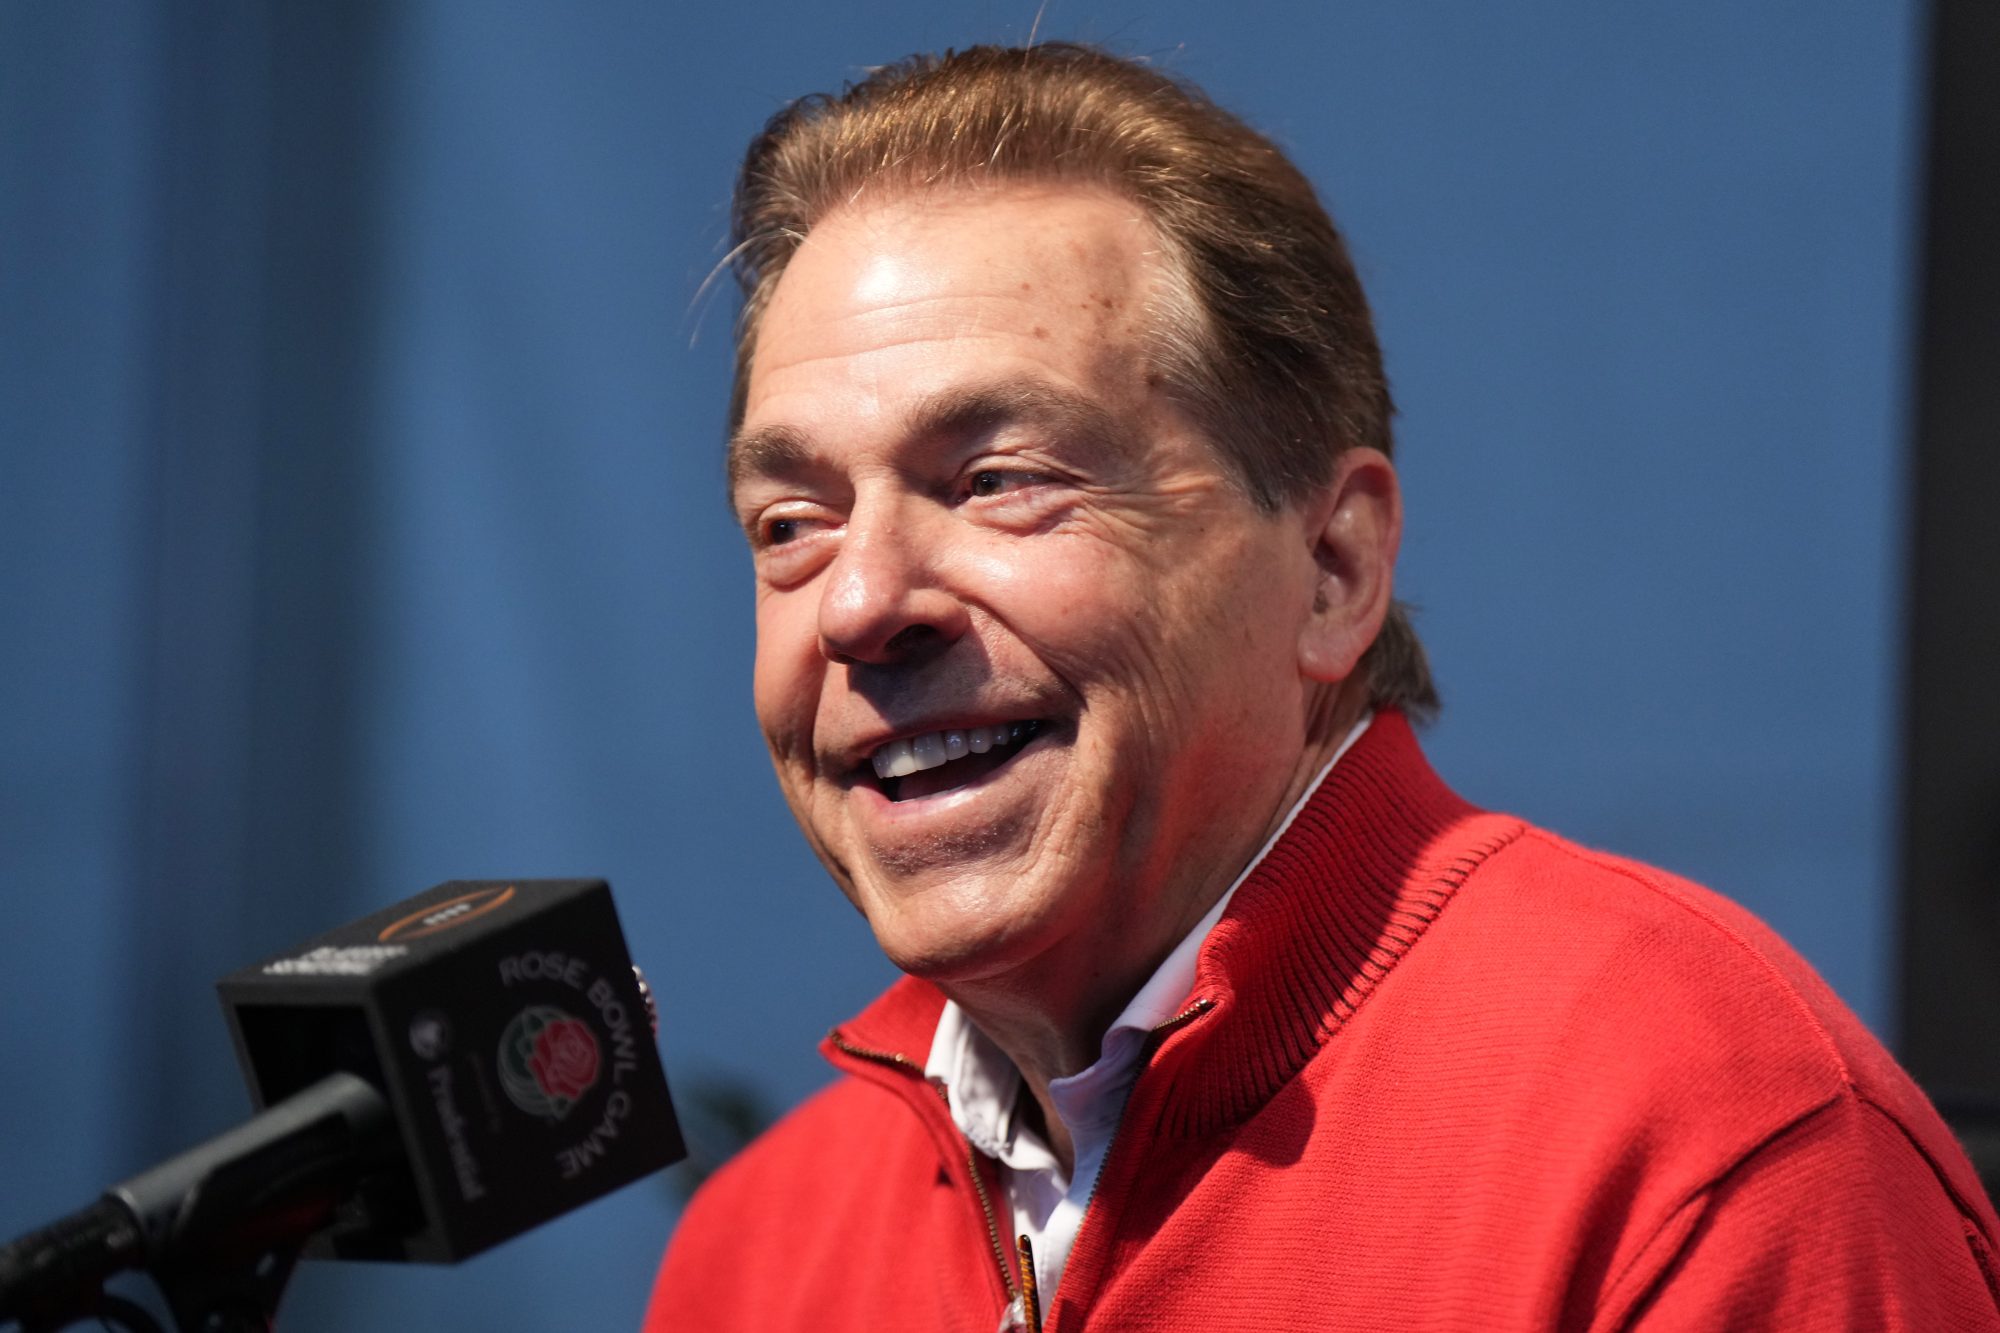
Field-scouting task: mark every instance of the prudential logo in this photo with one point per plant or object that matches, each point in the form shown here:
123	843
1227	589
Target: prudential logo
548	1061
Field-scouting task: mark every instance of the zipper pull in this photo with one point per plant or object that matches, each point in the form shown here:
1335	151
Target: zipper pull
1024	1313
1031	1303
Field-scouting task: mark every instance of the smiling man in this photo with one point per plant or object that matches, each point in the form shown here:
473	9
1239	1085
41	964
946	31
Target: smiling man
1062	449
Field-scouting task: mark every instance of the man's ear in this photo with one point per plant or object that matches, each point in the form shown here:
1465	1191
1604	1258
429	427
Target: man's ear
1355	525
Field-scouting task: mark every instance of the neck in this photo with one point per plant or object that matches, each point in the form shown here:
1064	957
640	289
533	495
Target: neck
1042	1049
1052	1024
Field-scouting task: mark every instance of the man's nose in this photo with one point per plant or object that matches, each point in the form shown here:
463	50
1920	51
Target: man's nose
883	602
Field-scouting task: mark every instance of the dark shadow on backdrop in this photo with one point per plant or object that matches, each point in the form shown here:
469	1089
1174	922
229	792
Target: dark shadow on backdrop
1951	792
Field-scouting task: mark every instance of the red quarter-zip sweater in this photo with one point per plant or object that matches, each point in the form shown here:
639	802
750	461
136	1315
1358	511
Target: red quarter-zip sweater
1439	1070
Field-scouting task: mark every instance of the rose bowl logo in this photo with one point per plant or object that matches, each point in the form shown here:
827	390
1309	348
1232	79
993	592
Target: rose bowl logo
548	1060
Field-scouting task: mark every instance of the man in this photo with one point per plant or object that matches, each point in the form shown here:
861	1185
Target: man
1062	447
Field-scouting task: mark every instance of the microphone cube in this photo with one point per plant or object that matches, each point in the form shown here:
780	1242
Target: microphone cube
504	1023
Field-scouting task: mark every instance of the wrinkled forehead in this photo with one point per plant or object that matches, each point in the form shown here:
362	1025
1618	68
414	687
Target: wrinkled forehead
981	287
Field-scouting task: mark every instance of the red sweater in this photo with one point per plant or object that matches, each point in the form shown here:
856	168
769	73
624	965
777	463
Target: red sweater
1439	1070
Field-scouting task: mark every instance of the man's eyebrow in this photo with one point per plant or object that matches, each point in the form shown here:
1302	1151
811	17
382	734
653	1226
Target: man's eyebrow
780	450
767	451
977	409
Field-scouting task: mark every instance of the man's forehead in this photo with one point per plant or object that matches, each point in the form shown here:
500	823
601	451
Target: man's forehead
1035	302
780	449
935	262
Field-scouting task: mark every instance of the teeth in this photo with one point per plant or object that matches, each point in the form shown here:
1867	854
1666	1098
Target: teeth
895	760
914	754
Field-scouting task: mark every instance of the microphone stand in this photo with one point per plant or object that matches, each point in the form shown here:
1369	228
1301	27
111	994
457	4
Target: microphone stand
220	1227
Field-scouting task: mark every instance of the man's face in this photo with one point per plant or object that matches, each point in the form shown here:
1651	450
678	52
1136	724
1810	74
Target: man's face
986	540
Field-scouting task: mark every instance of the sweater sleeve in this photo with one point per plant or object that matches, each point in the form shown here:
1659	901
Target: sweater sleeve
1841	1222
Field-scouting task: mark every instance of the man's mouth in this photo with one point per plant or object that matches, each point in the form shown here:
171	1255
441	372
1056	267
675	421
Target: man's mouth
941	760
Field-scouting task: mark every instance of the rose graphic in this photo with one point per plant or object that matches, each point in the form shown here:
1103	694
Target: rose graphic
565	1059
548	1061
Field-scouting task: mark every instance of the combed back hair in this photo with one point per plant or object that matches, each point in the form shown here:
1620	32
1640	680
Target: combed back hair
1265	336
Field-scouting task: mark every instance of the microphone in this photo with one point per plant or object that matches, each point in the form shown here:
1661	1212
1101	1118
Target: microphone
431	1080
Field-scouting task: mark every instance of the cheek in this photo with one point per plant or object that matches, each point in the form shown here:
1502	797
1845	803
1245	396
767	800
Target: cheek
1181	635
786	675
1070	602
1082	596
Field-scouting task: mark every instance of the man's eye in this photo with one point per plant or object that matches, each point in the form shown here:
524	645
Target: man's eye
785	531
996	481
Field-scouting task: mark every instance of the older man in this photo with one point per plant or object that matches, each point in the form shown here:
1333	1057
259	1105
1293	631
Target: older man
1062	447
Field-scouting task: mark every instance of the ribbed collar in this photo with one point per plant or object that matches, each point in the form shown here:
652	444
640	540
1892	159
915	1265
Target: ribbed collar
1366	866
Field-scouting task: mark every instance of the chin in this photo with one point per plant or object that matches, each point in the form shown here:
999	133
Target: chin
951	946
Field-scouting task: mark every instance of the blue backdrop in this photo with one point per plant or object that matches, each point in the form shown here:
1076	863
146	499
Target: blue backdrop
362	517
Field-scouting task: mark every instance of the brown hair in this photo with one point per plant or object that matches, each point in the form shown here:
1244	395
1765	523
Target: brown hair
1271	347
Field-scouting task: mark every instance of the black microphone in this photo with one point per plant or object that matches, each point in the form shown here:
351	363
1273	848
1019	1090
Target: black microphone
434	1079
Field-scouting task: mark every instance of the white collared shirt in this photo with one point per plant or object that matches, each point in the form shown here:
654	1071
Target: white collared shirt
984	1088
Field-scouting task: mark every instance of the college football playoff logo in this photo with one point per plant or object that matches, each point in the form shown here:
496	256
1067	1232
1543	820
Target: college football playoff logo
548	1061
